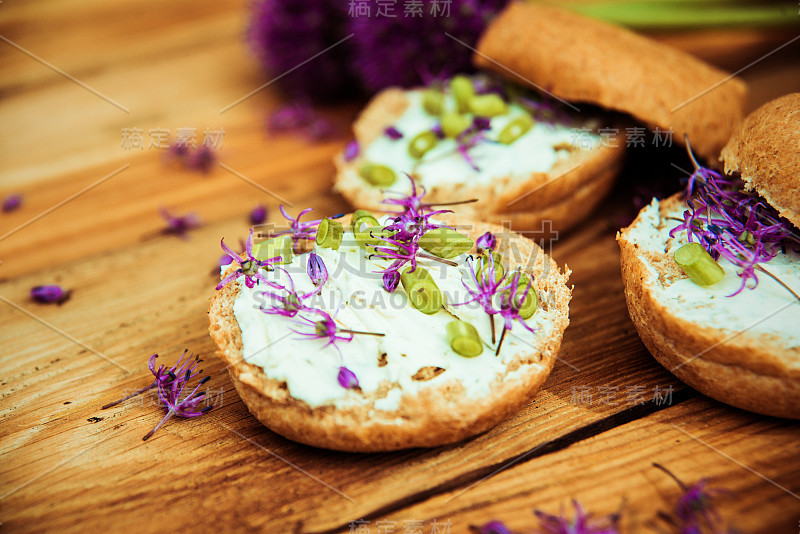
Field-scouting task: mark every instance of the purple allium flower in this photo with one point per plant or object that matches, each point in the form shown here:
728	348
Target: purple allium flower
582	523
178	150
298	230
347	378
299	117
288	38
470	138
393	133
249	267
484	287
48	294
201	159
11	202
290	117
171	396
486	243
694	509
289	301
418	44
316	269
402	244
164	375
258	215
495	527
351	151
324	328
733	224
179	225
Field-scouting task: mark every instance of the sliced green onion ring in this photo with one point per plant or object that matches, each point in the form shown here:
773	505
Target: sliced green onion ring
421	144
698	264
464	339
277	246
377	174
433	101
488	105
515	129
445	243
329	234
423	293
463	91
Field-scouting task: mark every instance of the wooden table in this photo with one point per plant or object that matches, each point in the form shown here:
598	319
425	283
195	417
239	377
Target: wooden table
90	222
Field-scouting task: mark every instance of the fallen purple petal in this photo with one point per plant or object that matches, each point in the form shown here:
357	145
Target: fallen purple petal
258	215
49	294
11	202
347	378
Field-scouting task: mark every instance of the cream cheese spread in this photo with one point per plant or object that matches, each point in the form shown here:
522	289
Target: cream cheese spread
535	151
768	309
355	297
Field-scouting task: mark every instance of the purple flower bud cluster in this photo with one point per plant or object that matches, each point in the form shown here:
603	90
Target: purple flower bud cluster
356	45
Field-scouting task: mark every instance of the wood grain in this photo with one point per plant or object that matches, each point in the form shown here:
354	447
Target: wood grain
69	466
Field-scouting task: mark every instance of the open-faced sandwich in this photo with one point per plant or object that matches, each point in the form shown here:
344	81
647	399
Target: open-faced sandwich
375	333
712	277
545	141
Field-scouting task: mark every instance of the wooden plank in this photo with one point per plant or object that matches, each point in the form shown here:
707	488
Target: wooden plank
151	297
753	457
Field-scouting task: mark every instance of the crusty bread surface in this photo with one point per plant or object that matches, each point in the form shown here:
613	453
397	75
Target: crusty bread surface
564	196
766	151
579	59
436	416
749	371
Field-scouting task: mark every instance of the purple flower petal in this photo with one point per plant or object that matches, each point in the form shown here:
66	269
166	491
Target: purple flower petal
179	225
347	378
316	269
258	215
391	279
393	133
495	527
11	202
486	242
351	151
201	159
50	294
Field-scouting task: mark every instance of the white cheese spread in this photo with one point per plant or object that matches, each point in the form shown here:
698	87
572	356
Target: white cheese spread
355	297
535	151
768	309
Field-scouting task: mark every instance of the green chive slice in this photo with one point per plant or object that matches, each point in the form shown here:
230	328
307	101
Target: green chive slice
445	243
329	234
698	264
377	174
277	246
464	339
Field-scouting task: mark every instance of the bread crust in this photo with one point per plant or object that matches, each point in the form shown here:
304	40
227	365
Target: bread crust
564	196
580	59
434	417
745	371
766	151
